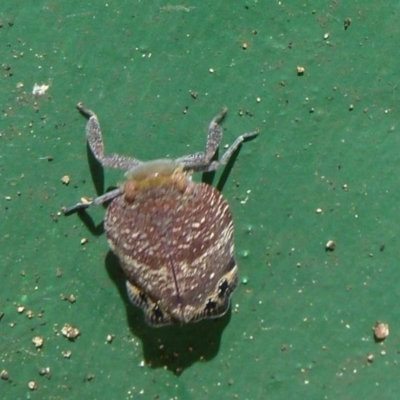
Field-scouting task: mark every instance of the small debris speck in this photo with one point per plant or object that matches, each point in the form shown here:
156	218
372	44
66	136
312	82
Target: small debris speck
346	23
32	385
89	377
330	245
86	200
381	330
370	358
71	298
66	179
70	331
66	353
48	158
39	90
84	241
45	372
300	70
38	341
110	338
4	375
20	309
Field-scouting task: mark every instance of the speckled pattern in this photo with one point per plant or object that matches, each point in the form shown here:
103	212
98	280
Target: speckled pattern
175	244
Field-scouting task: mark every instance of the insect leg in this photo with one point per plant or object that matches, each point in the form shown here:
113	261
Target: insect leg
97	201
95	140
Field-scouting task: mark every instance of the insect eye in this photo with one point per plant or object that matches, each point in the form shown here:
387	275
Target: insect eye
158	315
210	306
223	286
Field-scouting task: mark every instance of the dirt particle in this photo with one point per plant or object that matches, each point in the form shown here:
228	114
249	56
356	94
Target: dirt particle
66	179
71	298
38	341
381	331
32	385
4	375
70	332
110	338
300	70
330	245
66	353
45	372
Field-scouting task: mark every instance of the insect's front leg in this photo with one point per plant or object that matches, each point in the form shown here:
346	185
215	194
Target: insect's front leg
96	144
199	161
227	155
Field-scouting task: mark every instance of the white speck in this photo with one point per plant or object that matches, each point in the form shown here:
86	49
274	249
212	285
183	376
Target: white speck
212	275
39	90
244	201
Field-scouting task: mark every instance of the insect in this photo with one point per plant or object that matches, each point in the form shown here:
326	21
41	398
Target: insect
172	236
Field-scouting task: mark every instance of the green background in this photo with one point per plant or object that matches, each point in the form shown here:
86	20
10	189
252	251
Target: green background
301	319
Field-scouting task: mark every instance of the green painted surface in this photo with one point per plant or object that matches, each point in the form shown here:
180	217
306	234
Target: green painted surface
300	325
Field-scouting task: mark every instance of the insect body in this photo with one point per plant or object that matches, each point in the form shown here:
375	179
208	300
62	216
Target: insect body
173	237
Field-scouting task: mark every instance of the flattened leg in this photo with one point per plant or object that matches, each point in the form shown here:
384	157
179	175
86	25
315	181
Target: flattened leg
225	158
214	135
95	140
202	161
